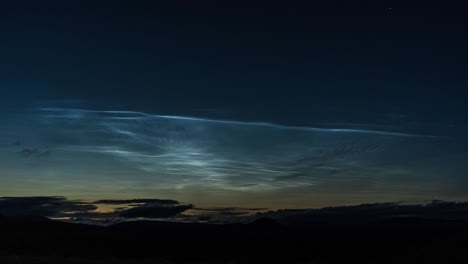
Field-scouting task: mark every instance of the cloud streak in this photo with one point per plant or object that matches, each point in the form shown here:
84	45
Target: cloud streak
138	201
132	115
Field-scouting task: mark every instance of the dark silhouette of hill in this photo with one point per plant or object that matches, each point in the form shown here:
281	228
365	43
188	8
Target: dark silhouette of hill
435	214
303	239
161	226
40	224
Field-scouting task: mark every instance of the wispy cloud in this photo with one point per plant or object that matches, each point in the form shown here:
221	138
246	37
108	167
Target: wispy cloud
184	152
132	115
140	153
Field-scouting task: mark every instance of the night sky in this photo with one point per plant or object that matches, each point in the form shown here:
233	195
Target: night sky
222	105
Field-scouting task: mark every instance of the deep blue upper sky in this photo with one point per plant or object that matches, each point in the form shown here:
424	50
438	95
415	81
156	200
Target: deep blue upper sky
284	61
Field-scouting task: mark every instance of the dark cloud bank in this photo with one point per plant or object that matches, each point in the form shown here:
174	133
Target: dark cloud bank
42	206
75	210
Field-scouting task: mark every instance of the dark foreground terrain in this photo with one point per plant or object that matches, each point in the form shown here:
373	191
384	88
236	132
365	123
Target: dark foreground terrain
401	240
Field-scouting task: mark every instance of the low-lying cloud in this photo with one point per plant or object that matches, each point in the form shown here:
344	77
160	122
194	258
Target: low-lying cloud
171	210
137	201
61	207
42	206
154	211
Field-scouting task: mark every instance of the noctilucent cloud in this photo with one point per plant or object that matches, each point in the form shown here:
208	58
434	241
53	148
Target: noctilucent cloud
93	154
